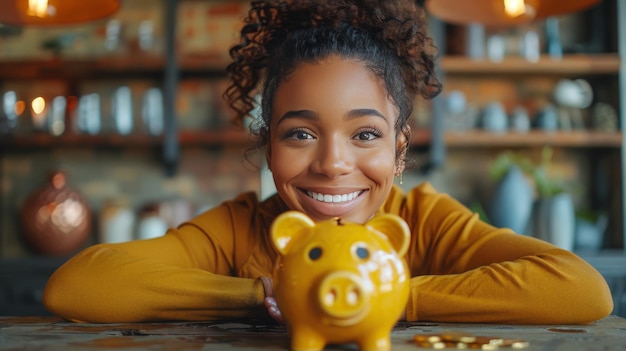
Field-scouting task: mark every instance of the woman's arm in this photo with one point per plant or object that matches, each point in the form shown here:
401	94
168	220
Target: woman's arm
468	271
185	275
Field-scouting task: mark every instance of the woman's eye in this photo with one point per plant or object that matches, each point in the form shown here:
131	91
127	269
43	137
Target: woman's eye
368	134
302	135
299	135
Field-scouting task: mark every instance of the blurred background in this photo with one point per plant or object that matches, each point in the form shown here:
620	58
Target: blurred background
112	126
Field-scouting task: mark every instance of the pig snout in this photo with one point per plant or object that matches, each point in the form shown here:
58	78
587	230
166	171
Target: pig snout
343	298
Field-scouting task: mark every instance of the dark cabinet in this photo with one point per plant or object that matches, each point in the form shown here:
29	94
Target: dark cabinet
22	282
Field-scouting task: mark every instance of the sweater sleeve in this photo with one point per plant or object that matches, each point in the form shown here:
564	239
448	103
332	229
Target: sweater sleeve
186	274
465	270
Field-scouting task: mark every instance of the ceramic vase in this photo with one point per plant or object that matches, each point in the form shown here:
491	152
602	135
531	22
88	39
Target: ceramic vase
150	224
512	202
520	122
117	221
555	220
56	219
588	236
547	119
494	118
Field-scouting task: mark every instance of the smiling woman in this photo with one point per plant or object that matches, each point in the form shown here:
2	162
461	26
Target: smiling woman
338	79
332	141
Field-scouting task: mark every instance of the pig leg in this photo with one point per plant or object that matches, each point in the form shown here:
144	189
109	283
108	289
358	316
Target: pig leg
376	341
304	339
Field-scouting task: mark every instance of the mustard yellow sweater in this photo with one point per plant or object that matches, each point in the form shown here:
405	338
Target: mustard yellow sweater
463	270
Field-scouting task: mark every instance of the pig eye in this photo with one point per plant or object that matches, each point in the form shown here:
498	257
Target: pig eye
315	253
362	252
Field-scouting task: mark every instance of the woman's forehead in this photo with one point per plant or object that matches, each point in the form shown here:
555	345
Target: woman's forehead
333	84
336	84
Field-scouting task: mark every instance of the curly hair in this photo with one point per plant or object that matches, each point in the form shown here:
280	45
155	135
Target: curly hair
388	37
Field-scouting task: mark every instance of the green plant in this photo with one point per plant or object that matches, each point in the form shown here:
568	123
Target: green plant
477	207
544	185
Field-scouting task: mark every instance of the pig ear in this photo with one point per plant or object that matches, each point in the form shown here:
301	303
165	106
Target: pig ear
394	228
288	226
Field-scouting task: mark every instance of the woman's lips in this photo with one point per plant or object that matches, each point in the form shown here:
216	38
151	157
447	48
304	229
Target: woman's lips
324	204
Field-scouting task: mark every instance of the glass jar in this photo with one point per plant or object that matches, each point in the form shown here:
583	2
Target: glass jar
117	221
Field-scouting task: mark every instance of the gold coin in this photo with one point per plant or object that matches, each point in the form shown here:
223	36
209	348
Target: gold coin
466	341
458	337
431	345
431	338
483	340
520	344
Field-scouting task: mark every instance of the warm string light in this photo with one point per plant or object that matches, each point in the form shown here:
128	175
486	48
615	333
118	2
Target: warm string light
514	8
38	106
20	107
38	8
502	13
55	12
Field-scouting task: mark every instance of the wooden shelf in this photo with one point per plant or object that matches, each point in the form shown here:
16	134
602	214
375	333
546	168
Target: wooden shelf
203	63
419	138
186	138
582	139
143	64
57	68
140	65
577	64
42	140
214	138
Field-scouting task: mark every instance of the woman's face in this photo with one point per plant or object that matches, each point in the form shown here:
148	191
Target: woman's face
332	141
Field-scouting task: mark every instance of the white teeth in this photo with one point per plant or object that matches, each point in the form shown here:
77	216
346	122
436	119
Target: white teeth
333	198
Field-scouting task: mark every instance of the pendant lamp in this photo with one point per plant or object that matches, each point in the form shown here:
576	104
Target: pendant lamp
54	12
501	13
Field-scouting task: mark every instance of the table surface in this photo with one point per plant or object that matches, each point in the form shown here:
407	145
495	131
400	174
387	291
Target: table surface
50	333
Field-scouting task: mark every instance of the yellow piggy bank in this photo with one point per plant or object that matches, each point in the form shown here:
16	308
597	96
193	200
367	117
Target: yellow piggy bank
338	282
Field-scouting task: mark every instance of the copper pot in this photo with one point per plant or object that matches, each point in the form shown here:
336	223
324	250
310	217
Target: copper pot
55	219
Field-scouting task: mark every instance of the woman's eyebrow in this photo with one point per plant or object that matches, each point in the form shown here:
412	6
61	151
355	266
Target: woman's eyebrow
306	114
362	112
311	115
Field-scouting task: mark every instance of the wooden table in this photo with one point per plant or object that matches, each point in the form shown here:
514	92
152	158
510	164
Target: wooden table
49	333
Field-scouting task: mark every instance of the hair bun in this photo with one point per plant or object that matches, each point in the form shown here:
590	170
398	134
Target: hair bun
398	25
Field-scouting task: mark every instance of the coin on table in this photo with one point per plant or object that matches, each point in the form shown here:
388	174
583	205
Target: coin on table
431	338
431	345
478	346
458	337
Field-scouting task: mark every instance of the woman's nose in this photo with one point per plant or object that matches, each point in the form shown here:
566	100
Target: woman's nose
333	159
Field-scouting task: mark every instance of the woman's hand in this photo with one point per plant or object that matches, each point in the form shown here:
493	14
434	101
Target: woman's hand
270	301
272	309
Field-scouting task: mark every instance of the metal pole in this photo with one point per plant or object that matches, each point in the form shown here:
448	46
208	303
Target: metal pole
621	36
170	84
437	143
